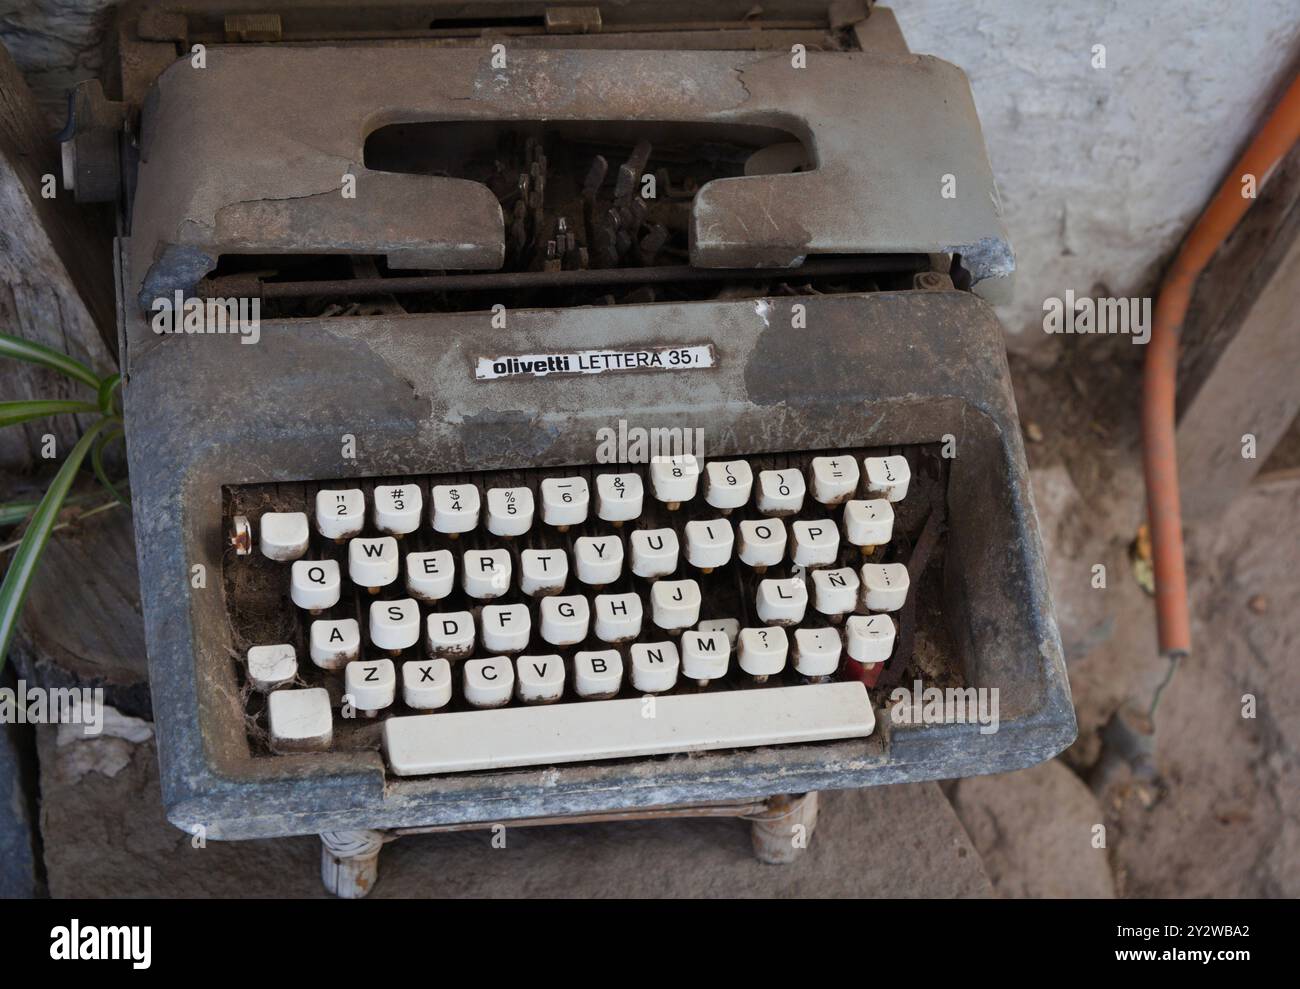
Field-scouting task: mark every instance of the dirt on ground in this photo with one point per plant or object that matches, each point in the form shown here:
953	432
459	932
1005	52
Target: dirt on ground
1207	804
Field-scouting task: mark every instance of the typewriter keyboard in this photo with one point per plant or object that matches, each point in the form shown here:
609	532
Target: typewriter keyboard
540	616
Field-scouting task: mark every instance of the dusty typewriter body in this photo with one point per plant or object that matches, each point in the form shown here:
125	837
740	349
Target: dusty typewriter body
759	343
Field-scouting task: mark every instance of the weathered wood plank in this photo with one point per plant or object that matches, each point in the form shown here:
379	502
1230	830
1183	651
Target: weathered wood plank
1238	371
82	624
56	274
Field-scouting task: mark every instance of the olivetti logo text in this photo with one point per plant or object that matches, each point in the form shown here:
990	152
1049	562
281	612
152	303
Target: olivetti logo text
684	357
199	316
102	943
641	445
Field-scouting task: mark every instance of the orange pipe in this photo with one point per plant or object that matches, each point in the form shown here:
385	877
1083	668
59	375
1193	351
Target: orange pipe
1159	448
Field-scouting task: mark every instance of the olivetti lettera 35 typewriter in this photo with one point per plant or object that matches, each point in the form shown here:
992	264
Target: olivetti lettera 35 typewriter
624	422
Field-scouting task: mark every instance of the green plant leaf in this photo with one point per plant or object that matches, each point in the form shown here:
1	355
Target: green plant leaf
106	389
97	463
18	578
13	512
35	353
12	413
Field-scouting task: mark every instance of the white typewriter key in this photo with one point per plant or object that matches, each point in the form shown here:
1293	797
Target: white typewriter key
372	563
782	602
728	484
709	543
888	477
430	576
870	638
300	720
539	679
762	651
762	543
335	644
565	619
506	627
705	656
619	497
834	479
509	511
542	736
314	584
398	508
489	682
780	492
485	573
654	666
283	535
449	634
654	552
727	626
674	479
340	514
565	501
597	674
455	508
816	543
618	617
884	586
370	685
675	603
869	523
543	571
835	592
598	560
426	684
394	625
816	651
272	666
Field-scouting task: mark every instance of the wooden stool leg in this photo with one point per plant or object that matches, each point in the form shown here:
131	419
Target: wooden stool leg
781	835
349	862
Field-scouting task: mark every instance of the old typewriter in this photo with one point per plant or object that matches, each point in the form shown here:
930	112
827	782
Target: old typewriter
615	420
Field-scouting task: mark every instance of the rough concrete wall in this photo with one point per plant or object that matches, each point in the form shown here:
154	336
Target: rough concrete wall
1101	171
56	43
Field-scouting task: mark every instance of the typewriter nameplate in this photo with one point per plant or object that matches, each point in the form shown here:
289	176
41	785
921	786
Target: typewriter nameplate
686	357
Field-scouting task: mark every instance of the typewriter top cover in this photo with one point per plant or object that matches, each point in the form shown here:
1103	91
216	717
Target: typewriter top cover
436	206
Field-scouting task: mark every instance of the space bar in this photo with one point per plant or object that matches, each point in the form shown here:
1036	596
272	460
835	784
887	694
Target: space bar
581	731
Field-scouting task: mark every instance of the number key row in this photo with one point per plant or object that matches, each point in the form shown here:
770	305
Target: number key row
399	509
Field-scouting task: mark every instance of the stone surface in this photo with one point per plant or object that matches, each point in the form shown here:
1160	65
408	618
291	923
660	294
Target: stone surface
105	835
57	43
1102	171
18	872
1220	813
1222	816
1127	666
1034	831
1074	546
